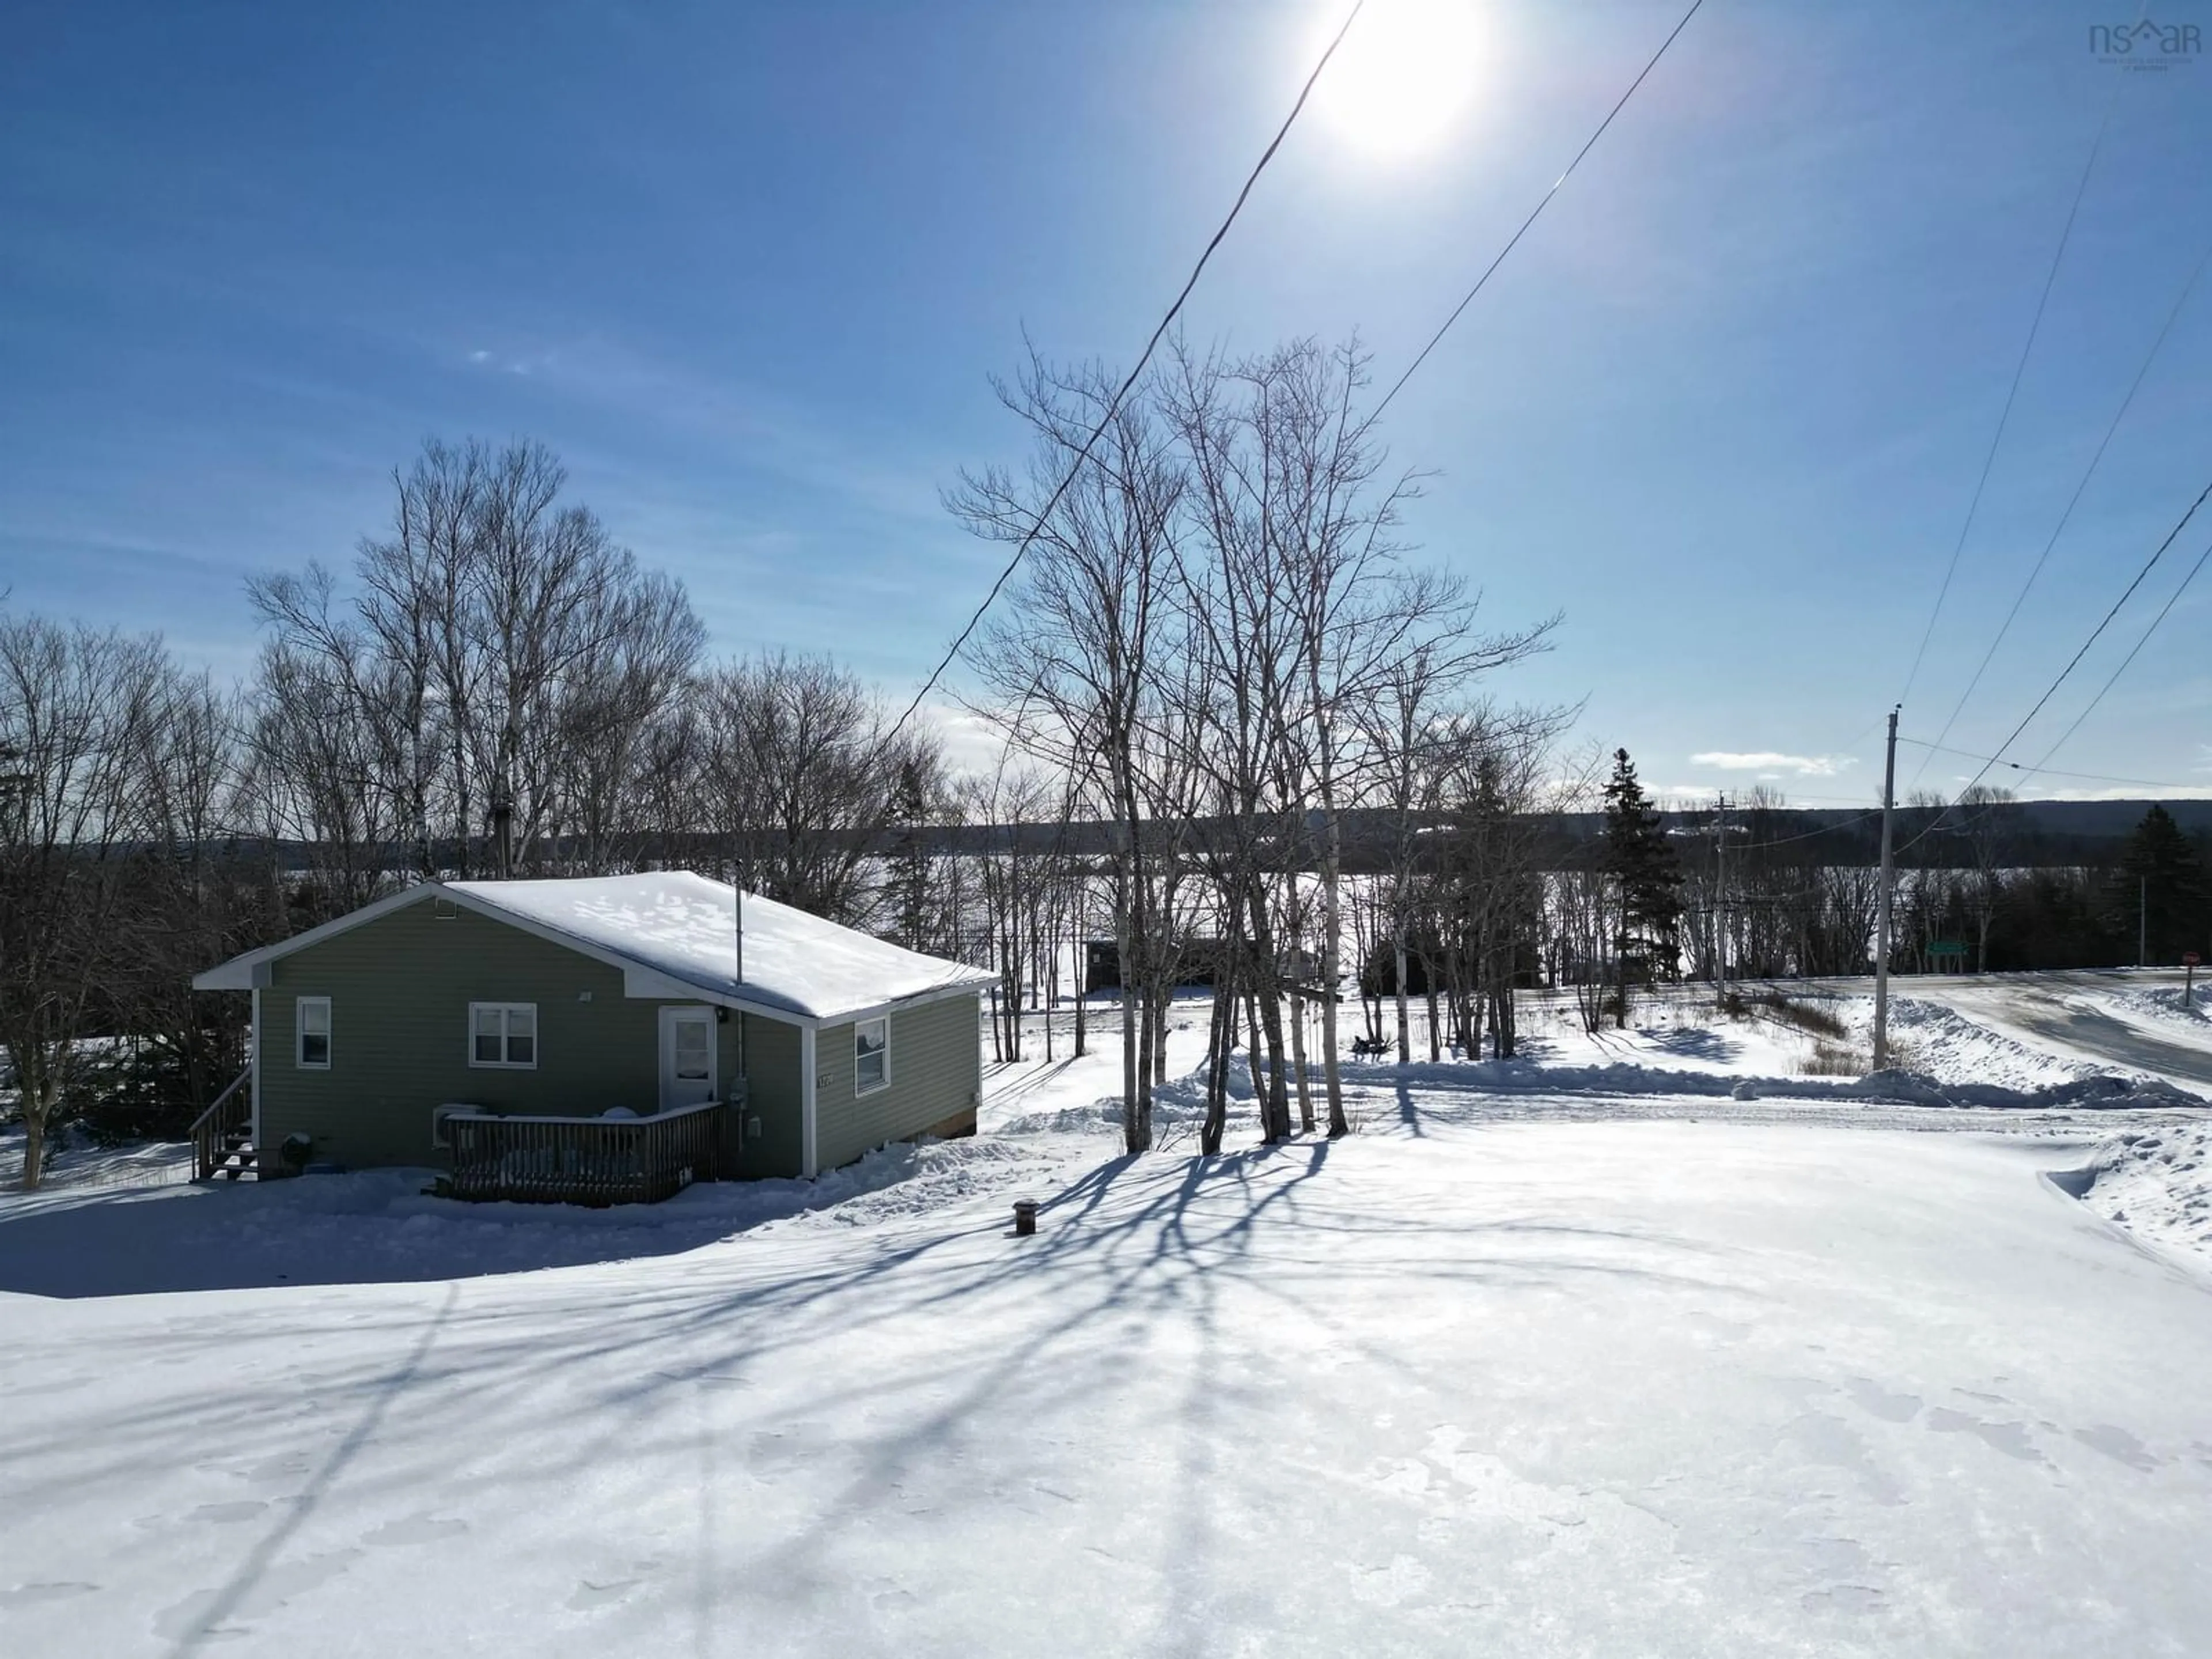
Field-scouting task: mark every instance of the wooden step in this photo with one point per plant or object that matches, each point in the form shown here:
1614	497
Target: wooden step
238	1160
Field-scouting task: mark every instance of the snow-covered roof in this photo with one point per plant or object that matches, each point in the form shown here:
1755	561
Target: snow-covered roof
681	927
684	926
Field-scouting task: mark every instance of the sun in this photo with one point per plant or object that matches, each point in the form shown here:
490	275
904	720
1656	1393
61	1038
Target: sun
1404	75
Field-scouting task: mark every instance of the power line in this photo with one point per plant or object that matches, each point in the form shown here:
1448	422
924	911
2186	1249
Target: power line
1113	404
1814	835
1546	202
2072	663
2004	415
2121	669
2052	771
2043	558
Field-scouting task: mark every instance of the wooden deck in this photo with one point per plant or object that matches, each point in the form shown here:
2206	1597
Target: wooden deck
597	1161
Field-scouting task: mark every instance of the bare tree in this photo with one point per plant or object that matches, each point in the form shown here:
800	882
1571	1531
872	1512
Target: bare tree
803	778
191	900
1072	667
501	668
1988	824
73	706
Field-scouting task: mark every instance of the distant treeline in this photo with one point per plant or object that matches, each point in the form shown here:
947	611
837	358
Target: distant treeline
2045	834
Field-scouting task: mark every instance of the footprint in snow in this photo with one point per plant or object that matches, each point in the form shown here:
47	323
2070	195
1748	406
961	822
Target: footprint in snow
1389	1587
2010	1439
2119	1445
1843	1598
590	1597
32	1596
424	1528
1877	1401
226	1514
219	1614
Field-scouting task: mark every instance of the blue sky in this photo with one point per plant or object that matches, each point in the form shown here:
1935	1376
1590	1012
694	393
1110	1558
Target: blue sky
749	268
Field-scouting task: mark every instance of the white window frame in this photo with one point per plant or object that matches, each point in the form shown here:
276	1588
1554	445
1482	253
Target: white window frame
506	1037
671	1015
859	1026
299	1007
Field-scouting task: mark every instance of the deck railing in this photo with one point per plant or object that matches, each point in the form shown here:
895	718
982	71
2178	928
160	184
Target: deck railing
583	1160
220	1133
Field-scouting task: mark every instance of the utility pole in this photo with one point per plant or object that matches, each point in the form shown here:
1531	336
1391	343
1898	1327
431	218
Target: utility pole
2142	921
1881	921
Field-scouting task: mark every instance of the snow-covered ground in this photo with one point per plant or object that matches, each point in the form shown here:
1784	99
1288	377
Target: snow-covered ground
2023	1031
2155	1182
1562	1358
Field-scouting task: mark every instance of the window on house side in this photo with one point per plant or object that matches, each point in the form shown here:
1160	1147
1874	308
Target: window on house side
503	1034
312	1021
872	1041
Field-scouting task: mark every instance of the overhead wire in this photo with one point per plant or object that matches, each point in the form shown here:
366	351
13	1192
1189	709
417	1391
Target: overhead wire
2012	393
1814	835
1534	213
2065	735
2072	663
1114	403
2180	302
2052	771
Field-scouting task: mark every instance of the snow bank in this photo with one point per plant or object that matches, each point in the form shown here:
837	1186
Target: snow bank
2156	1183
1890	1087
2166	1008
1179	1105
1954	1047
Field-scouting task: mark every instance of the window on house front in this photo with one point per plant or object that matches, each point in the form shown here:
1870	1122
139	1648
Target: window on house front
503	1034
872	1041
312	1021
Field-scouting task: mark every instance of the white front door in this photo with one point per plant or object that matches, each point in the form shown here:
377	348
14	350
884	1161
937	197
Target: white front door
687	1057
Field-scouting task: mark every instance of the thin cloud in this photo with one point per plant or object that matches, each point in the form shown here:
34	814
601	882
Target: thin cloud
1765	760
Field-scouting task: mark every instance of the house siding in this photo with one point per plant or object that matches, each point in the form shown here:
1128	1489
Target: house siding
400	987
772	1088
936	1057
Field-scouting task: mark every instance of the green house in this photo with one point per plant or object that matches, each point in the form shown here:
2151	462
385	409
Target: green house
499	1028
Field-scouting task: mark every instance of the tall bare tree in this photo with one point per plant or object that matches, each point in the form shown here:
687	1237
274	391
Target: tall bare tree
75	704
802	779
1073	668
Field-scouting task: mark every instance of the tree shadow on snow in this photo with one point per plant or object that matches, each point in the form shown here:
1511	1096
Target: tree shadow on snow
375	1227
1691	1043
621	1379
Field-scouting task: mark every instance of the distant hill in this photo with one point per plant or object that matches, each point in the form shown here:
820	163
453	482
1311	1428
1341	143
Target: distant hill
2112	818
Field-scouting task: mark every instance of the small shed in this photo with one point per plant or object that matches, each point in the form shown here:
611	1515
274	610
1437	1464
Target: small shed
608	1038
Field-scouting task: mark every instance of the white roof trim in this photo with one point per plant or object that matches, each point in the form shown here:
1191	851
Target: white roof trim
938	994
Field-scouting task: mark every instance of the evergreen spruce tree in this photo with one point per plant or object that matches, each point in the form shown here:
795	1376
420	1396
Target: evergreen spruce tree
909	856
2161	879
1649	872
